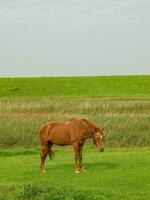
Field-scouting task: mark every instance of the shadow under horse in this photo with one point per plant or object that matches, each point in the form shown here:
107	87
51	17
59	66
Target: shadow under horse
73	132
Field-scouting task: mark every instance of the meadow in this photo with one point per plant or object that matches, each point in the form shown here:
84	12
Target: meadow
119	104
116	174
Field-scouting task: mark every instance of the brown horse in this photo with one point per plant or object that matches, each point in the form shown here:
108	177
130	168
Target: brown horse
73	132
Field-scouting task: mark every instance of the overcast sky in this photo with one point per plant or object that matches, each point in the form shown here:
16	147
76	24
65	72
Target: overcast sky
74	37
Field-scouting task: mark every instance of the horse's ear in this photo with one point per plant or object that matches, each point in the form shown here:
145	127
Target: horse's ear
84	120
95	130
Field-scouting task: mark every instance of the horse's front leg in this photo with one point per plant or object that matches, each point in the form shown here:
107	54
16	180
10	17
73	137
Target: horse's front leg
76	157
80	158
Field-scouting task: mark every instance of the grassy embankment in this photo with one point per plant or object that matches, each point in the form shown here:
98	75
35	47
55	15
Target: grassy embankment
84	87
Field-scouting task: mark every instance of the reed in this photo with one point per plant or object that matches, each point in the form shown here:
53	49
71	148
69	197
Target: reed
126	122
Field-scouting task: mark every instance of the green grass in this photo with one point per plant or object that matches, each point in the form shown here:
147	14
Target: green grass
113	175
100	86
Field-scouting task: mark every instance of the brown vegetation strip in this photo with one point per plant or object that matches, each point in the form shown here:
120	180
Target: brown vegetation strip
65	116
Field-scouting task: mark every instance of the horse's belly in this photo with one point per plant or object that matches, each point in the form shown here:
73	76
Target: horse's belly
61	139
61	142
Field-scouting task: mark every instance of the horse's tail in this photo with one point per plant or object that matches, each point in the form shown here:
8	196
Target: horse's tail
50	152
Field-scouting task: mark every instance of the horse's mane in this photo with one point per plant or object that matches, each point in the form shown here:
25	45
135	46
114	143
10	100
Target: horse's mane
90	124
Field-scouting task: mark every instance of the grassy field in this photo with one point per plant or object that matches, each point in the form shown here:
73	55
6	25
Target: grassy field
113	175
100	86
120	104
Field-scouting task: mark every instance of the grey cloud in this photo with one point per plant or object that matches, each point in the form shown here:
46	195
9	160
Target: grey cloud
74	37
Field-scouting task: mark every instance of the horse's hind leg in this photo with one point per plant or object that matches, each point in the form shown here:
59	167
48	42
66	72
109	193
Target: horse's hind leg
44	152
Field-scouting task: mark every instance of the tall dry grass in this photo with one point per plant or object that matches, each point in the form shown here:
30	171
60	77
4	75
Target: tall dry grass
126	122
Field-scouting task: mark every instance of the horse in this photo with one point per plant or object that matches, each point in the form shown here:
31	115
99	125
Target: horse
72	132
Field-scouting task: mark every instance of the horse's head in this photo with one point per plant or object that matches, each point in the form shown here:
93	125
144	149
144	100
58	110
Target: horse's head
98	138
97	134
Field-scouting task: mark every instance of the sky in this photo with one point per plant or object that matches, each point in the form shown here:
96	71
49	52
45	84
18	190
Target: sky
74	37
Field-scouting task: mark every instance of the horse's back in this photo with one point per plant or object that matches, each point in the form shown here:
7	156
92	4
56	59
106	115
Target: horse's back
55	132
63	133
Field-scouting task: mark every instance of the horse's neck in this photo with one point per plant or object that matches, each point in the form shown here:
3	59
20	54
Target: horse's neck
88	135
89	126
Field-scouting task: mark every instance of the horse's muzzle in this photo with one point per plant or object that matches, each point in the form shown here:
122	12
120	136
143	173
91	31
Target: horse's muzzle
102	149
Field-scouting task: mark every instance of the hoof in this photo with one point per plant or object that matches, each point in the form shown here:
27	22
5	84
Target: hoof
82	170
76	171
43	170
